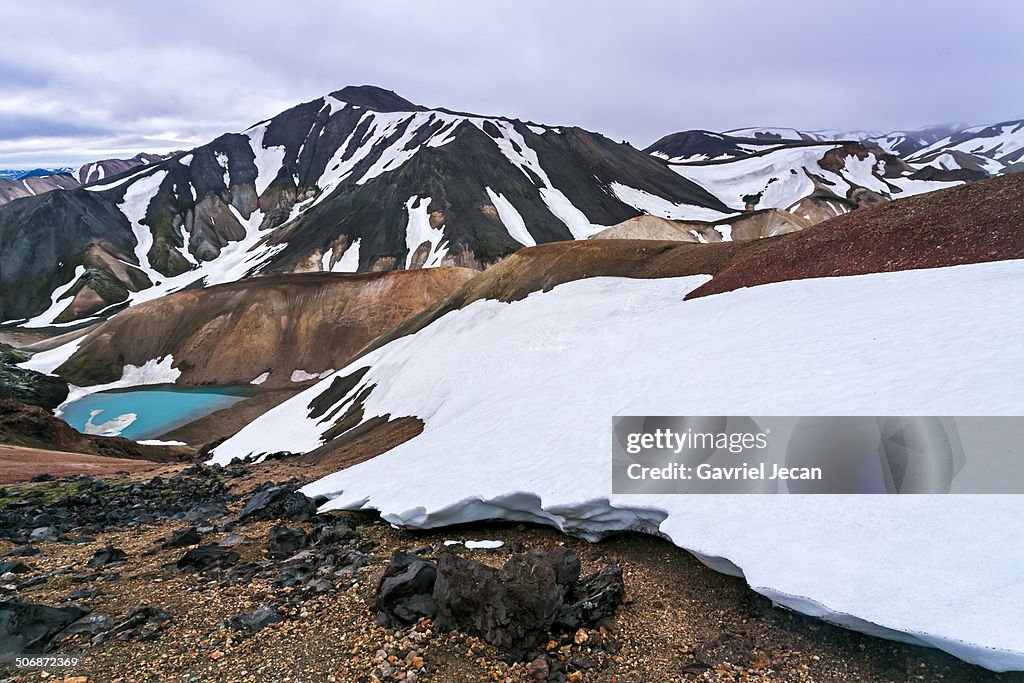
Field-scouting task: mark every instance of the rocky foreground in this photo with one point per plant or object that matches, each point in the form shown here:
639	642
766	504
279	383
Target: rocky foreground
221	574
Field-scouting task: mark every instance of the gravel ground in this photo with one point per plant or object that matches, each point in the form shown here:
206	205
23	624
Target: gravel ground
681	621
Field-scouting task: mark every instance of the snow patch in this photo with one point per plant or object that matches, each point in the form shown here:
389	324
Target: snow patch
48	361
268	160
303	376
153	371
112	427
57	305
349	261
224	162
850	355
418	232
511	219
659	206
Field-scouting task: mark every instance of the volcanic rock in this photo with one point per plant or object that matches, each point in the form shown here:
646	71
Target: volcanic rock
405	591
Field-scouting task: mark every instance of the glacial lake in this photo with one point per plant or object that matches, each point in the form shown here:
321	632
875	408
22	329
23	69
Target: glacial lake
141	413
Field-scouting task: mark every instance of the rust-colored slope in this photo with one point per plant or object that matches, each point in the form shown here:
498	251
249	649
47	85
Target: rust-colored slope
971	223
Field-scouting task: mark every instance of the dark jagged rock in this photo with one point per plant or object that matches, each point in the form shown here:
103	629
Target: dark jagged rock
728	648
512	608
30	629
144	622
280	501
232	540
207	557
206	511
592	599
405	591
283	542
44	533
182	539
106	556
92	624
254	621
333	532
16	567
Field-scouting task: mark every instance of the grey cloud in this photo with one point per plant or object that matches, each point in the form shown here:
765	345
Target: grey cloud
21	126
632	70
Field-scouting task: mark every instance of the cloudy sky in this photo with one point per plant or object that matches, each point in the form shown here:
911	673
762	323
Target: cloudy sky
82	81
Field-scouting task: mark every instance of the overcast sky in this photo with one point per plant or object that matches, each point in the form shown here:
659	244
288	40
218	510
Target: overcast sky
82	81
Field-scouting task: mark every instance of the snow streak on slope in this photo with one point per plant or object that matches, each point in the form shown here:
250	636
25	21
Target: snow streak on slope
511	219
268	159
513	146
529	366
380	127
418	232
659	206
348	263
57	305
133	206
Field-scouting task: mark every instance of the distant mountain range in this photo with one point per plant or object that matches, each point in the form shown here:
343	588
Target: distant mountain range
363	180
21	174
15	184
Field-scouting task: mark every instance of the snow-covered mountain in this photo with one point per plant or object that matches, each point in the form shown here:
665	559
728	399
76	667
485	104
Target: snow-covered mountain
21	174
361	179
993	149
950	152
822	173
899	142
813	180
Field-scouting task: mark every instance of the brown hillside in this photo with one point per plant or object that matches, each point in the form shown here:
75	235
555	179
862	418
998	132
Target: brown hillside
232	333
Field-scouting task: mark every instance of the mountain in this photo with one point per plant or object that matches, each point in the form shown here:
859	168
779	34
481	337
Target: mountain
902	163
108	168
358	180
900	142
16	184
813	180
31	183
993	149
21	174
752	225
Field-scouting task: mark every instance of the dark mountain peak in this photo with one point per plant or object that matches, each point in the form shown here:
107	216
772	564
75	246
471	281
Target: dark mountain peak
375	98
696	143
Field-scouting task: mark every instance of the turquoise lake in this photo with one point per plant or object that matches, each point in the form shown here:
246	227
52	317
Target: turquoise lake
146	412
